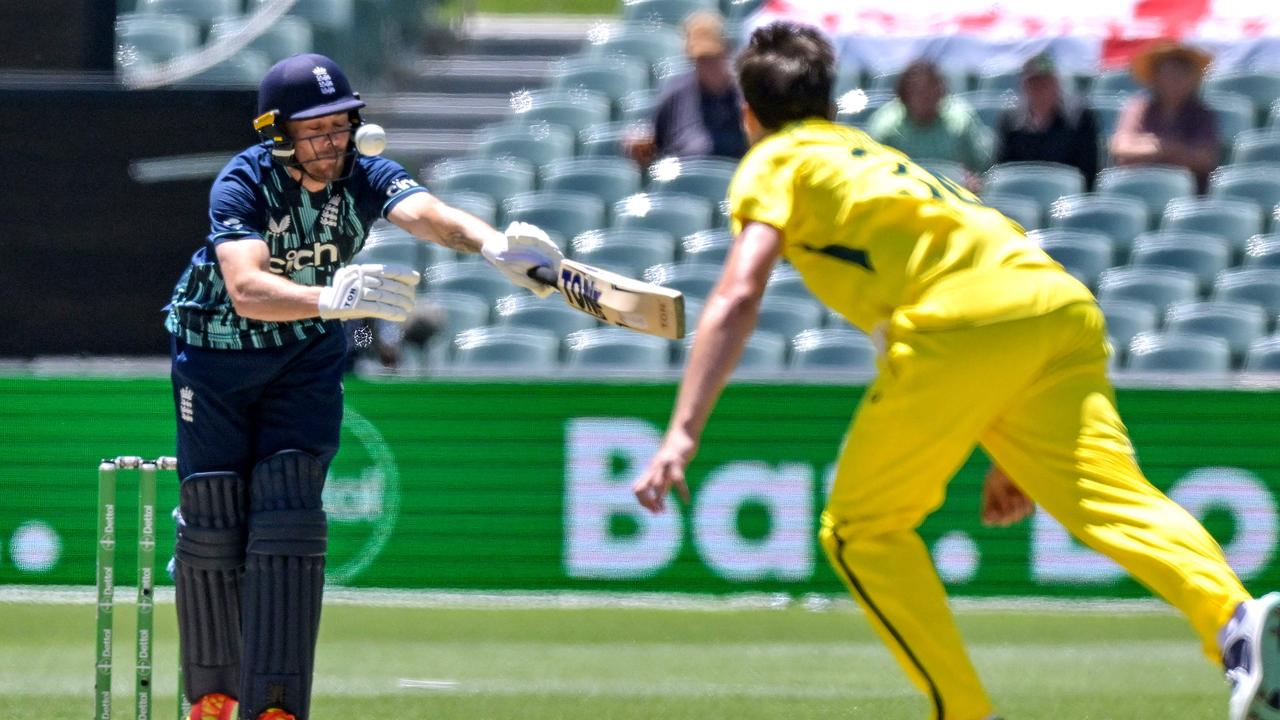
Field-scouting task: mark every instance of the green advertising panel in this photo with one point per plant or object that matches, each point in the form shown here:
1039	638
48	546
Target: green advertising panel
526	486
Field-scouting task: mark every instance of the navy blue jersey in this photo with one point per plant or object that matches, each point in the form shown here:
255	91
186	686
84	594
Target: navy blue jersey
308	234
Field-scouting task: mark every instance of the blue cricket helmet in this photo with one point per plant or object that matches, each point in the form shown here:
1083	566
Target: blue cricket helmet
306	86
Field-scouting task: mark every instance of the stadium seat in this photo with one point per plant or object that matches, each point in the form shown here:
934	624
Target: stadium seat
1084	254
833	350
460	312
708	246
398	251
693	279
1154	185
609	179
605	139
1200	254
1253	182
848	76
1258	145
666	12
157	38
1115	82
478	204
763	353
988	105
1106	110
613	76
563	213
788	316
785	281
953	171
574	109
473	278
639	105
1262	89
1019	208
514	350
855	107
1256	286
285	37
1235	220
1274	120
1041	181
679	215
645	41
1237	324
1122	218
499	178
1263	251
706	178
611	348
526	310
536	144
1178	353
207	12
1234	113
1126	319
329	15
1157	287
670	67
1264	356
627	252
242	70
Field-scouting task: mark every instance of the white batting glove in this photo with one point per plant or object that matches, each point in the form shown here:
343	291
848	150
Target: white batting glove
522	248
369	291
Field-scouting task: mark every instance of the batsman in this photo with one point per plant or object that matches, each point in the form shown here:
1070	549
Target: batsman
258	354
984	340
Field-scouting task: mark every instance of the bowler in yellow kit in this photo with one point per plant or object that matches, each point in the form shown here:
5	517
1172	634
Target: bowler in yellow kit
984	340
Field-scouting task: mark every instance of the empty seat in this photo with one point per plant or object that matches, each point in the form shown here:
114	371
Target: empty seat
624	251
459	312
762	353
639	105
330	15
1200	254
692	279
1154	185
989	105
395	251
1235	220
1264	355
1234	113
617	349
1041	181
242	70
706	178
1121	218
1263	251
666	12
677	214
606	139
536	144
1021	209
788	316
1262	89
1084	254
785	281
608	178
669	68
1255	182
205	11
645	41
1158	287
833	349
574	109
287	36
1178	353
478	204
157	38
1260	145
473	278
562	213
1255	286
1235	323
613	76
708	246
1126	319
526	310
1106	109
499	178
513	350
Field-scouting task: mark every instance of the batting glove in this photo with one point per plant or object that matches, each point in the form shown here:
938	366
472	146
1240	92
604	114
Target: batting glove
522	248
369	291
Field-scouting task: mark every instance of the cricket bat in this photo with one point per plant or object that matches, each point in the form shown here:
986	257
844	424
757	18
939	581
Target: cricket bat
617	299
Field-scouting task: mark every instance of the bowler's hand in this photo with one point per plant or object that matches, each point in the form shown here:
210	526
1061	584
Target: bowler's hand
1003	503
665	470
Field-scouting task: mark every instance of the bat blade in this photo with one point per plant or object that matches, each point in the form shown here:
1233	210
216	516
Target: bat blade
617	299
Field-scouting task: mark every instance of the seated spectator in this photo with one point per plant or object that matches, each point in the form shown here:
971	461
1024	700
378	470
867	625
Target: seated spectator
1169	124
1048	126
700	113
924	122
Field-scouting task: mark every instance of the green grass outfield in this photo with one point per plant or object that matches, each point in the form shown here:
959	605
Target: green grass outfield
464	660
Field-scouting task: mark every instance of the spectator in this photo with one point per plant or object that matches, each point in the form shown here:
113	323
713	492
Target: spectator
699	112
924	122
1048	126
1169	124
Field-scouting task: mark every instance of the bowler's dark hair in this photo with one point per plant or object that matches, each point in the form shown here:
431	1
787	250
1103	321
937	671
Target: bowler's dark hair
786	73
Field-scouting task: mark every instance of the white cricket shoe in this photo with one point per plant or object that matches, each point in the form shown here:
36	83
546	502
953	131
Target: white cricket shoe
1251	655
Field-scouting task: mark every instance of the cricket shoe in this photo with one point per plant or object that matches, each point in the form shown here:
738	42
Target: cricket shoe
275	714
1251	655
215	706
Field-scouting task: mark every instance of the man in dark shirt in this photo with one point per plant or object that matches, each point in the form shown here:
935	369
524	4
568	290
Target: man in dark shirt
699	112
1047	126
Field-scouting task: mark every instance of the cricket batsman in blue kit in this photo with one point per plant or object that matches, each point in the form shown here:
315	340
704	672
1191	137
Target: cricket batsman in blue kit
258	351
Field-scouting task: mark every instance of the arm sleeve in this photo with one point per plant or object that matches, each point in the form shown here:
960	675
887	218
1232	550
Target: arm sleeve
386	184
762	190
235	204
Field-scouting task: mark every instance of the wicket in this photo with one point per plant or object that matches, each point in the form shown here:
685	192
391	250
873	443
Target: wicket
107	470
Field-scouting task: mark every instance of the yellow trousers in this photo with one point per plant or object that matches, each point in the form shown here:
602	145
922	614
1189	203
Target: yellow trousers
1035	395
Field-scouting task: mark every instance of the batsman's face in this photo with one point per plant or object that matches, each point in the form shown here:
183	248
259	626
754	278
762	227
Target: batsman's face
320	143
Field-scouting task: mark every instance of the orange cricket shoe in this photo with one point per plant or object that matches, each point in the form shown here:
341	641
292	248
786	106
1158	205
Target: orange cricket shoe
275	714
215	706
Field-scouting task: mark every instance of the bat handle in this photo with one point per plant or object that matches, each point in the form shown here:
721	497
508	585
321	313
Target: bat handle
543	274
